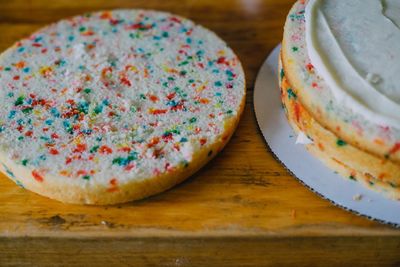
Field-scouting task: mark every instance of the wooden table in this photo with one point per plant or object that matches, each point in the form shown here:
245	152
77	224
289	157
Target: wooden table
242	209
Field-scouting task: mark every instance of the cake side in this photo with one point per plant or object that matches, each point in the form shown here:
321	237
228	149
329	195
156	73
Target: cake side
348	161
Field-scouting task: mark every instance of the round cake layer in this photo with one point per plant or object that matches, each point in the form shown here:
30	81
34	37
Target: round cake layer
318	98
114	106
349	161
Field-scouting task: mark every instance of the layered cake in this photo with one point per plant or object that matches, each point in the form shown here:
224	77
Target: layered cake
340	86
115	106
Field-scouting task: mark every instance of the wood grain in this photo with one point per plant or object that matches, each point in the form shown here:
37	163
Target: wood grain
242	209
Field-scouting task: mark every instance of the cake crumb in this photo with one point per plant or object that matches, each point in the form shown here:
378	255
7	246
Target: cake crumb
357	197
106	223
303	139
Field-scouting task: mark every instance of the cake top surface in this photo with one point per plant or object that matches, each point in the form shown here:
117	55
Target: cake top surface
124	94
354	46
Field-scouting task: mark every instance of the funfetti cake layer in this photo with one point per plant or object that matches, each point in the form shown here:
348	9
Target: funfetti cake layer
336	90
352	163
114	106
351	85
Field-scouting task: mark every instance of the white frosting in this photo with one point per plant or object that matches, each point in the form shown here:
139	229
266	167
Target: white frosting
354	45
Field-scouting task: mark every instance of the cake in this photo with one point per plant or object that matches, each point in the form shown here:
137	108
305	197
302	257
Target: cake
115	106
340	88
